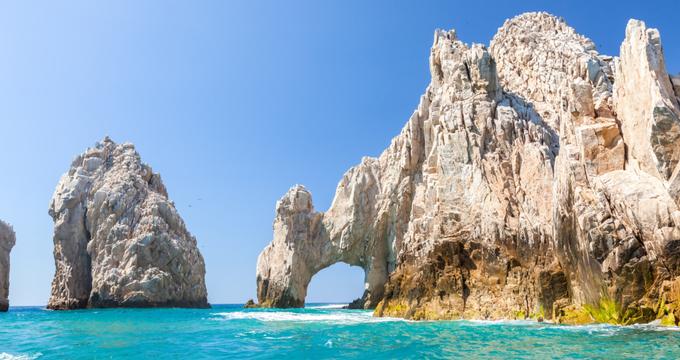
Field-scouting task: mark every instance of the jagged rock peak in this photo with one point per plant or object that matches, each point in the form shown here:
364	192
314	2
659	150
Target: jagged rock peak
534	178
649	119
7	240
549	64
118	239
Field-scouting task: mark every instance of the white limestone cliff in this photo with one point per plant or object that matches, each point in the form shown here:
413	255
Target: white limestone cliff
118	239
536	178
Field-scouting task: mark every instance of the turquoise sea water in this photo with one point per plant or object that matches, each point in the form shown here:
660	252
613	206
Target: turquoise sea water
321	331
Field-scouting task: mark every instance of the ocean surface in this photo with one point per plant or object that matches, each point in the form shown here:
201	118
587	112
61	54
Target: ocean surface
317	332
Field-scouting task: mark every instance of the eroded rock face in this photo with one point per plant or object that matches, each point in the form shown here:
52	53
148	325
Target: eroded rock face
118	239
530	181
646	103
7	240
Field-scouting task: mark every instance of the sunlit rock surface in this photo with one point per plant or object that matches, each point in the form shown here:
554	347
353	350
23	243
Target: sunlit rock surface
118	239
536	178
7	240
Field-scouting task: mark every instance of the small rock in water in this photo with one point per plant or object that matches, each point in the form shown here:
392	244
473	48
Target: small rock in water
356	304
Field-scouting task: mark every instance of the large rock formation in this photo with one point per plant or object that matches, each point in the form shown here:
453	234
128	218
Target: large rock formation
118	239
536	178
7	240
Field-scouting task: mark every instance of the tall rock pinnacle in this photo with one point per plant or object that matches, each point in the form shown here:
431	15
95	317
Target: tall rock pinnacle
118	239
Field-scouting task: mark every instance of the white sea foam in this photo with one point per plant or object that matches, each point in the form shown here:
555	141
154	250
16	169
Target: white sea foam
610	329
329	306
591	329
479	322
655	326
348	317
357	317
7	356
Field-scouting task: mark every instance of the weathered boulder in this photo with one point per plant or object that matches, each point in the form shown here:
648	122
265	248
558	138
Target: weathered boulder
530	181
7	240
118	239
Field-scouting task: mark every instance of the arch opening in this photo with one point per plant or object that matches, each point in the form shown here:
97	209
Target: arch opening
339	283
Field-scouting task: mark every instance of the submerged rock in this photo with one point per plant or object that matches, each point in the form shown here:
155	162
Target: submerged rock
118	239
534	177
7	240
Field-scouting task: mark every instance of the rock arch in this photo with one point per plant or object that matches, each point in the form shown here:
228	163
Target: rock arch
535	177
306	242
363	227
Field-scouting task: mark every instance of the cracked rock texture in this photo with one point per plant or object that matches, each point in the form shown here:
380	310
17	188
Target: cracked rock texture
536	177
118	239
7	240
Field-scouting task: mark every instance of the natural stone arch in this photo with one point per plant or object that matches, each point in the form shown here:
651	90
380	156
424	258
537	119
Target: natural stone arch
305	244
353	231
536	177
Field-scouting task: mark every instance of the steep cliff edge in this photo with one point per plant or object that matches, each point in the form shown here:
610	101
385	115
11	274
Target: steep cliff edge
118	239
7	240
536	178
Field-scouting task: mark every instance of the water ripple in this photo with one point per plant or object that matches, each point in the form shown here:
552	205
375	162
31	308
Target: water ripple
320	332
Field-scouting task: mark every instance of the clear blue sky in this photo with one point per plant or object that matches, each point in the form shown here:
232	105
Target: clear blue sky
232	102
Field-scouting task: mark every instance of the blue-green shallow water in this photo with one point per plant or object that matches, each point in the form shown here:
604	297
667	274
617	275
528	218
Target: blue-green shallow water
228	331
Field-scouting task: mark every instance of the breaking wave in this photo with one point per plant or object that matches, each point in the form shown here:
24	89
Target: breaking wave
328	306
479	322
345	317
592	329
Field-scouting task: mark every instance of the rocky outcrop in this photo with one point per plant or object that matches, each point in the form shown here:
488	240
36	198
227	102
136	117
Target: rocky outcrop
7	240
304	243
118	239
536	178
646	103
